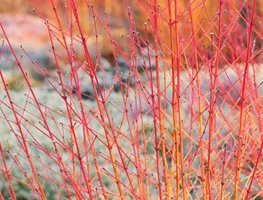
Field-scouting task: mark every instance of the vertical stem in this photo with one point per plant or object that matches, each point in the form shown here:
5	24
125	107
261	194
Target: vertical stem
200	105
214	76
175	139
223	174
178	98
241	120
159	100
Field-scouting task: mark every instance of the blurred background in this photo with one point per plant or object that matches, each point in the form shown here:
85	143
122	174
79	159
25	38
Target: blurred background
20	16
24	24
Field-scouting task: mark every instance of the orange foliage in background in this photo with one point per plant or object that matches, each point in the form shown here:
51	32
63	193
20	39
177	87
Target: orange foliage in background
204	18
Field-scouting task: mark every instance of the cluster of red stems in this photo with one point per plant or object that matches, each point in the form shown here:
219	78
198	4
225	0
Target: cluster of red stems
199	152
